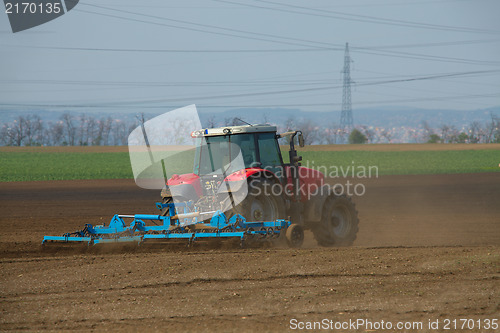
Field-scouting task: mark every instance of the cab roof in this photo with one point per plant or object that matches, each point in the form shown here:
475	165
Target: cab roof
257	128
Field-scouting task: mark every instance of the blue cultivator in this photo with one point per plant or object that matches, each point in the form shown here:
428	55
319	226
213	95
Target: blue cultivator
188	226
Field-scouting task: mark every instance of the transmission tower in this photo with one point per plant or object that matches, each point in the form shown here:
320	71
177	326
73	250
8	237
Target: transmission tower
346	122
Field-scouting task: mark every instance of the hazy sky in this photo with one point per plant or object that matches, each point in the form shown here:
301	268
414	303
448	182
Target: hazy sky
159	54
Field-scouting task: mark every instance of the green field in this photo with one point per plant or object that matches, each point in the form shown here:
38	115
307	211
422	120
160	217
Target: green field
24	166
49	165
408	162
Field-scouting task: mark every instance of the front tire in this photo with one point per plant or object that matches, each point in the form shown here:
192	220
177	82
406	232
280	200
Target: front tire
260	203
339	222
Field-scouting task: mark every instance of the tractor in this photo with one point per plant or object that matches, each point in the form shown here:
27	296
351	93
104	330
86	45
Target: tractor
275	189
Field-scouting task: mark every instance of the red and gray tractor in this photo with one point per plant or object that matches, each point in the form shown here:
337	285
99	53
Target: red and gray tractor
267	187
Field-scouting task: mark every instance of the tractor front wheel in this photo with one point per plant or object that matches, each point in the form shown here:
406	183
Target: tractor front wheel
339	222
261	204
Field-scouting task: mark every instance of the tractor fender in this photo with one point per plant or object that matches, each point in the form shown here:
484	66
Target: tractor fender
240	178
186	186
314	206
186	191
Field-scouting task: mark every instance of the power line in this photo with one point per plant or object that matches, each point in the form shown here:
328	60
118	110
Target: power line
408	55
312	49
400	3
280	92
363	50
281	39
291	41
172	83
370	81
100	49
363	18
435	44
187	28
185	50
261	82
172	106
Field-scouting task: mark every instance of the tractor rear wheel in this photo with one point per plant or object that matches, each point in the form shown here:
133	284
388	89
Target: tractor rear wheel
261	204
339	222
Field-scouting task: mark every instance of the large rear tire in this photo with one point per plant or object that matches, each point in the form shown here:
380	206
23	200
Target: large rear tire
260	203
339	222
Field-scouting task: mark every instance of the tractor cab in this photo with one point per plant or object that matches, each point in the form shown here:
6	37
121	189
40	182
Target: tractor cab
242	147
241	153
229	159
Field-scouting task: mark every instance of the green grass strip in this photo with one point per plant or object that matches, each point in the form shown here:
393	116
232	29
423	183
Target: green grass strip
408	162
31	166
21	166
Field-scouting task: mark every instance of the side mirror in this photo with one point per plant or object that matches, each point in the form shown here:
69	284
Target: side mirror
301	140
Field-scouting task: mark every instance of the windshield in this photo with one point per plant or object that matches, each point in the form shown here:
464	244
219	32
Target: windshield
218	153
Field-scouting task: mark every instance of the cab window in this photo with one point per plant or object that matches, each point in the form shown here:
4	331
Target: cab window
268	150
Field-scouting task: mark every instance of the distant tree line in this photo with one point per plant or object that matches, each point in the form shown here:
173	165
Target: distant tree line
87	130
68	130
474	133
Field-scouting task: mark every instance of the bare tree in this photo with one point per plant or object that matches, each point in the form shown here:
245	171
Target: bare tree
81	130
235	121
492	129
211	122
104	126
6	135
445	131
310	131
428	131
69	129
265	118
90	131
496	130
54	133
475	132
289	124
32	126
119	134
369	133
16	132
386	135
331	134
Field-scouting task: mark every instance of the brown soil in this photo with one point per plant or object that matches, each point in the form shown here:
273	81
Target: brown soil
427	249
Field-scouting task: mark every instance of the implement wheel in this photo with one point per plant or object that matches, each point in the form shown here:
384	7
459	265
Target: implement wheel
295	236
